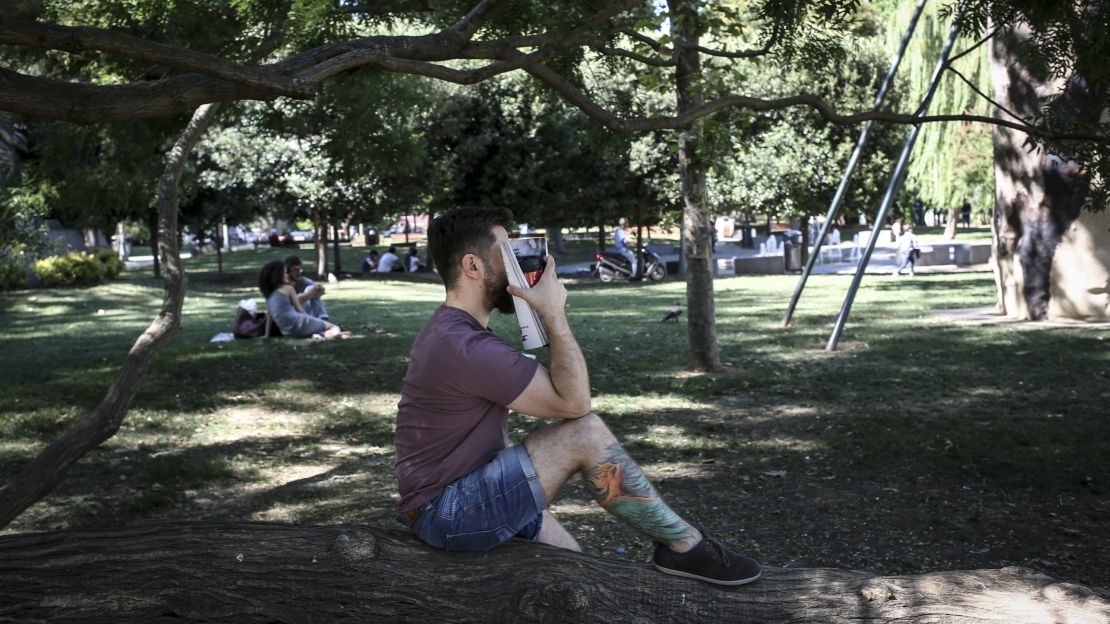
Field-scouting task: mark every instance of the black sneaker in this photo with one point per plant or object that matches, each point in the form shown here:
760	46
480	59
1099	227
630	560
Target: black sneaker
709	561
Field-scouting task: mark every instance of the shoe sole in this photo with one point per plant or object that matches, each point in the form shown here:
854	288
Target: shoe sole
743	581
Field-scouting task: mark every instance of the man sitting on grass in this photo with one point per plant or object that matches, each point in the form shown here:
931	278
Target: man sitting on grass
462	487
308	291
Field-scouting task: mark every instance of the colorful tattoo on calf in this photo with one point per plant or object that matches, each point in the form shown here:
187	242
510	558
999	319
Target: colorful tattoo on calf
619	485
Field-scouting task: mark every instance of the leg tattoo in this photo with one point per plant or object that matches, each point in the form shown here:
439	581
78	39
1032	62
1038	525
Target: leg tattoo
619	485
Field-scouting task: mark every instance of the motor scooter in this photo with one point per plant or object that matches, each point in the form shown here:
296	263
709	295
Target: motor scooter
612	266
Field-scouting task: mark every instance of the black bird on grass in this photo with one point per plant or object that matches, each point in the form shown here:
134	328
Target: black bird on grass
674	313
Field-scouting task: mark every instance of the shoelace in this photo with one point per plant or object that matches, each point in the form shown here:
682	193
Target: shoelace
717	550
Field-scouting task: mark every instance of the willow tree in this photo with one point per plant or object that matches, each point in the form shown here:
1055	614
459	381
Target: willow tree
952	163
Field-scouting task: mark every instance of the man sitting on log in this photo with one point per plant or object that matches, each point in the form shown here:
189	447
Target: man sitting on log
462	487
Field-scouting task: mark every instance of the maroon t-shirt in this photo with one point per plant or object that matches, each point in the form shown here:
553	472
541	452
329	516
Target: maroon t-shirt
452	414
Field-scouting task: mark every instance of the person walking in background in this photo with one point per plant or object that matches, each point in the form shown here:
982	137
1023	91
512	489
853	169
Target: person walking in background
965	214
309	293
907	246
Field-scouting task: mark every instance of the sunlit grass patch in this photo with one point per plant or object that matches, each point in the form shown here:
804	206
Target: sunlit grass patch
302	431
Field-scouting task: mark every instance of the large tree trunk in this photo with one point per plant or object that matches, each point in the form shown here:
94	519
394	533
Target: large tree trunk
555	237
39	476
320	246
701	325
953	221
1049	260
254	572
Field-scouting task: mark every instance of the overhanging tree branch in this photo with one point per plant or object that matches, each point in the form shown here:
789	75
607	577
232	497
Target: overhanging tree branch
643	124
601	48
85	104
82	39
386	8
423	55
476	18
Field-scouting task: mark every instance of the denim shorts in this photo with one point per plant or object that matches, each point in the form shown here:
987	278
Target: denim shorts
492	504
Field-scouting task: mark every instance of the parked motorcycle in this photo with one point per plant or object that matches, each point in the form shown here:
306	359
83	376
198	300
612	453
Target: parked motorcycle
614	267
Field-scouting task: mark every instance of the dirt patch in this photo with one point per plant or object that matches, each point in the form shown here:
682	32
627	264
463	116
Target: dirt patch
773	483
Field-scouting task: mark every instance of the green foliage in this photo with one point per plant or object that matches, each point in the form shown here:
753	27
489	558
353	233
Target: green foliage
500	144
1068	50
22	213
76	268
353	153
13	274
113	266
788	163
952	162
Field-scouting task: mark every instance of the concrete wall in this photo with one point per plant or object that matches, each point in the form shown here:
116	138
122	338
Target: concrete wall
959	254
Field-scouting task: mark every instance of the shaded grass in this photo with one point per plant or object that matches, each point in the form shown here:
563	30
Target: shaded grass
920	430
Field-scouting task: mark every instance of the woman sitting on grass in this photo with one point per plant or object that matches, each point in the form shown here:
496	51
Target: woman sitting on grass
281	301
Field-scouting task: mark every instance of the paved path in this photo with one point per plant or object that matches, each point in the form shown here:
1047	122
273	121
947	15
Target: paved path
883	261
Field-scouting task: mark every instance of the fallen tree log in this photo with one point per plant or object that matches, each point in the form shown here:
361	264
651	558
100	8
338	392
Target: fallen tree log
255	572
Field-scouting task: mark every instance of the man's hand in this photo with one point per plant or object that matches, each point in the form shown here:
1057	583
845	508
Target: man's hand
314	291
548	297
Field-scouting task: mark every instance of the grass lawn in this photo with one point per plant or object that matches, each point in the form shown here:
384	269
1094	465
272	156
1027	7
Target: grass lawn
924	444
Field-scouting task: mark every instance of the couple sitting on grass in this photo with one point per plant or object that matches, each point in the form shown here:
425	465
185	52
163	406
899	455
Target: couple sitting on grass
462	486
294	301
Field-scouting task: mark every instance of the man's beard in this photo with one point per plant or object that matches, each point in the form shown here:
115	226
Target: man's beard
497	297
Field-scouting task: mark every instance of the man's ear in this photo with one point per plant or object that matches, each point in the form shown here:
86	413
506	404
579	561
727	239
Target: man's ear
472	266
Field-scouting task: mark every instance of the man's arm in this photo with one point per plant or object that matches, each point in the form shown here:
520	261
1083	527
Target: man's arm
564	391
312	290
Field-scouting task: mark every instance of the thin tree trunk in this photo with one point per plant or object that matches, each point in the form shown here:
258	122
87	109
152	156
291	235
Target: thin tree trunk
220	242
555	238
431	261
256	572
43	472
335	249
153	224
953	221
805	238
701	326
320	245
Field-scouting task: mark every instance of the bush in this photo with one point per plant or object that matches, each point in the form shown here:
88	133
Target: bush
76	268
12	274
113	266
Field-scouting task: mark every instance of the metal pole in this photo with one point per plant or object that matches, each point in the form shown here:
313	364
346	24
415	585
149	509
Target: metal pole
852	162
895	182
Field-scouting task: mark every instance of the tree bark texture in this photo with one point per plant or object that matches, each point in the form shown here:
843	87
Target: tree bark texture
953	223
335	248
43	472
1048	262
152	222
701	325
255	572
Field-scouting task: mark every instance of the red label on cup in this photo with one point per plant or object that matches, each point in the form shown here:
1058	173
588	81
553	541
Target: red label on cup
532	267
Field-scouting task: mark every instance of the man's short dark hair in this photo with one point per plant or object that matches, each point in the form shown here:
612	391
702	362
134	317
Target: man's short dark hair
463	231
292	261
